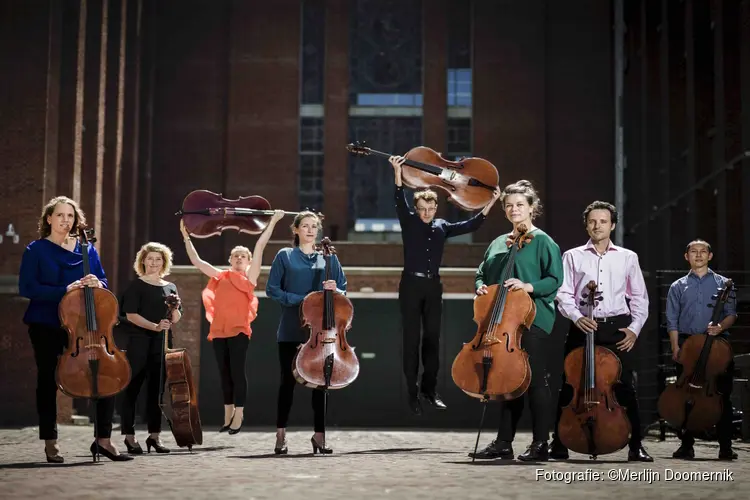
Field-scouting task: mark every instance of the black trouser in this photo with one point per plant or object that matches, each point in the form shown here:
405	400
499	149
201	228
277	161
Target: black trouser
230	356
287	351
421	301
608	335
535	343
49	343
144	352
725	426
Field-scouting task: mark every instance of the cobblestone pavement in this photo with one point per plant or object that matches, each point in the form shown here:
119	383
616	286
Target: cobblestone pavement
365	464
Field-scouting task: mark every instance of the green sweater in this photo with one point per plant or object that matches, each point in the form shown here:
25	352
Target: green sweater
539	264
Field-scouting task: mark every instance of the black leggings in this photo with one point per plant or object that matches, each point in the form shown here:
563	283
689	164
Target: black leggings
287	351
49	343
144	352
534	342
230	356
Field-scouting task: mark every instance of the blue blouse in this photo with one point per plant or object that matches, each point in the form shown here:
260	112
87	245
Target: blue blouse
46	271
293	275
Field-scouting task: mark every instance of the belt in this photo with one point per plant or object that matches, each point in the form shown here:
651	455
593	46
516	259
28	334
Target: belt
608	319
423	275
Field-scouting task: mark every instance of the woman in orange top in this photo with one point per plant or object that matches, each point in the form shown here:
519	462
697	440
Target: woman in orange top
231	305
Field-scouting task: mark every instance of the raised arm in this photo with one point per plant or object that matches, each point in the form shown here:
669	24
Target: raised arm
470	225
195	260
253	271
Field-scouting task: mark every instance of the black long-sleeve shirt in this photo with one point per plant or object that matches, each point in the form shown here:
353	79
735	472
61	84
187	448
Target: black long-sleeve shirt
424	243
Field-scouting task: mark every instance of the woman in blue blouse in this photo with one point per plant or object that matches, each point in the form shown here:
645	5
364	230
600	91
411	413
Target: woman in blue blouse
295	272
50	267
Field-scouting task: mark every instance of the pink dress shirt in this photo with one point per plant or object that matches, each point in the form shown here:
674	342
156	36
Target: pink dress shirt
617	274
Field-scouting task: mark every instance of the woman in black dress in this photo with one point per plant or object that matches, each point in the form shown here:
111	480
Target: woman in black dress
143	305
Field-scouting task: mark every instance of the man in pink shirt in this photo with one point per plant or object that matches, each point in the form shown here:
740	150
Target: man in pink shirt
616	325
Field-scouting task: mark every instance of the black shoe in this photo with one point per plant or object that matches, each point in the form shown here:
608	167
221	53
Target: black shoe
238	429
685	452
727	454
434	399
496	449
317	448
536	452
150	442
133	449
414	405
54	459
104	451
224	428
557	450
639	455
280	448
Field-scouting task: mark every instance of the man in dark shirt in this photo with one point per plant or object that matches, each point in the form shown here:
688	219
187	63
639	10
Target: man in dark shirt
420	291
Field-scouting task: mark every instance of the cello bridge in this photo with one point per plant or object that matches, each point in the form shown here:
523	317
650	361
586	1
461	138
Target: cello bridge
695	386
448	175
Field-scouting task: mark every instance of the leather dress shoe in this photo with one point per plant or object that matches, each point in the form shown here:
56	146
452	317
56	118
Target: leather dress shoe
639	455
536	452
414	405
557	450
496	449
434	399
685	452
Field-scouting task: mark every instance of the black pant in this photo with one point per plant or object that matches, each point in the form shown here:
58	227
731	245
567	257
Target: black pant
725	426
608	335
49	343
230	356
287	351
421	301
534	342
144	352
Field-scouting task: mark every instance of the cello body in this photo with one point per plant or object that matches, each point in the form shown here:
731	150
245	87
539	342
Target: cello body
494	366
208	214
326	361
184	419
499	344
91	366
468	182
693	402
593	423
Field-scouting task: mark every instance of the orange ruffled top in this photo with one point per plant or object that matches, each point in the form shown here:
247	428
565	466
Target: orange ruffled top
231	304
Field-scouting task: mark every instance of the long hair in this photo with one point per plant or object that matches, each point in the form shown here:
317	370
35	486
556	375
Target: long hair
298	219
44	227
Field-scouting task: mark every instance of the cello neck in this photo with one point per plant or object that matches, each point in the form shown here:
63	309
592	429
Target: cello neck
328	314
88	292
424	167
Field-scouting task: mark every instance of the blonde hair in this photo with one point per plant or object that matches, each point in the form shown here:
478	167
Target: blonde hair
298	220
427	195
526	189
166	254
240	249
44	227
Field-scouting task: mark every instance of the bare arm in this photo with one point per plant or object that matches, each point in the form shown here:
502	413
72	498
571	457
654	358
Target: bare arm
195	260
253	271
139	320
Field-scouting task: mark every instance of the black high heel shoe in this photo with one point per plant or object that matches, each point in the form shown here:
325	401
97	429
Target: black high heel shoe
104	451
133	449
238	429
151	442
317	448
280	450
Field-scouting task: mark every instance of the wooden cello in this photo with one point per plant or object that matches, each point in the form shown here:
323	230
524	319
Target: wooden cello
207	214
469	182
593	423
91	366
693	402
494	366
326	361
185	421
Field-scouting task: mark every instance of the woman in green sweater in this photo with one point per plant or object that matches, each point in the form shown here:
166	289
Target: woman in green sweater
537	270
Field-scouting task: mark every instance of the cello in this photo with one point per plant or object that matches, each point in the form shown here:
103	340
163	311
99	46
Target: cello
494	366
693	402
206	214
326	361
469	182
183	398
593	423
91	366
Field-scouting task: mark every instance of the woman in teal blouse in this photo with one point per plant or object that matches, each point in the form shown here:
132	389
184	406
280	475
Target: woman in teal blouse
295	272
538	270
